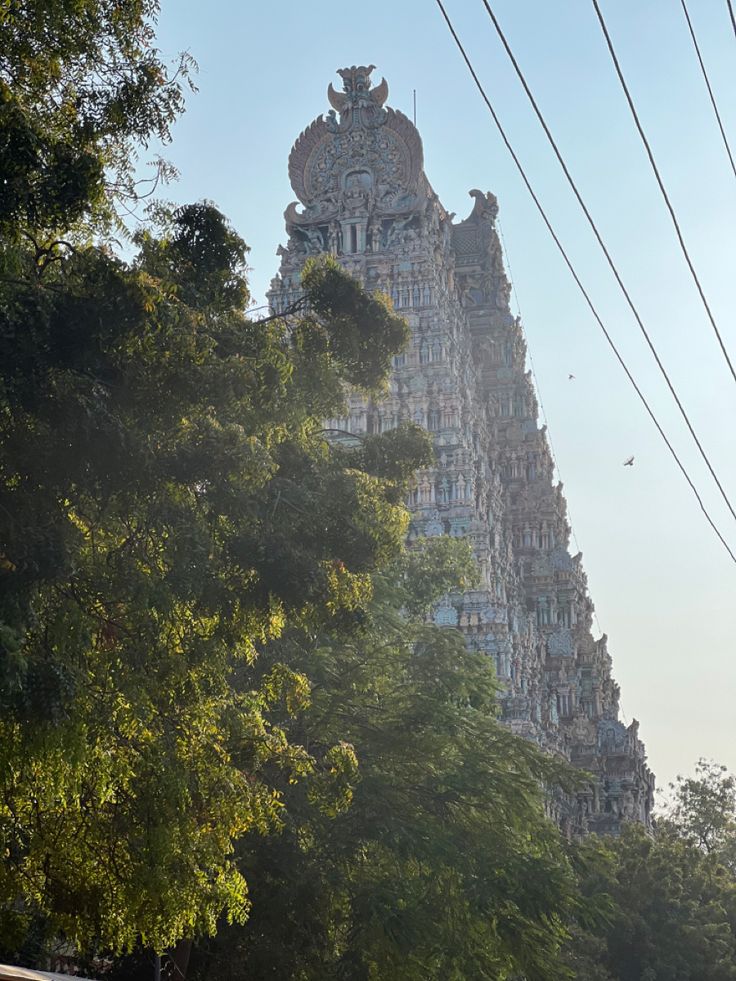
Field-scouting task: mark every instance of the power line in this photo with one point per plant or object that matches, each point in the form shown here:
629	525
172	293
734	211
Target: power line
707	82
606	253
732	16
578	282
667	201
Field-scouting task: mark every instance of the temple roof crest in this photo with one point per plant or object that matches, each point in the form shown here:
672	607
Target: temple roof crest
358	102
369	159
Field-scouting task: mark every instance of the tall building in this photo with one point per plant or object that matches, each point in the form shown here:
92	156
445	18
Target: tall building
364	197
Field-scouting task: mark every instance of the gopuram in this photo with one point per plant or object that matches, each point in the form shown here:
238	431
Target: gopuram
364	197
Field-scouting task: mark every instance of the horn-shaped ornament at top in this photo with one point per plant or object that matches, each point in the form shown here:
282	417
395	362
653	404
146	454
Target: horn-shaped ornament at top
380	93
337	100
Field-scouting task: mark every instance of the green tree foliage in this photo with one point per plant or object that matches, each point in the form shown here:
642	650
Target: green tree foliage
702	809
218	686
443	865
168	504
671	897
82	89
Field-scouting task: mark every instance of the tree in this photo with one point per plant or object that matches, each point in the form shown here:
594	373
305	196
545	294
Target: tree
702	809
82	90
671	897
168	504
443	865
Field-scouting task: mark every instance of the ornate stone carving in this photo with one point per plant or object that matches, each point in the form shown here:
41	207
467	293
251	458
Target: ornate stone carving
560	643
363	196
358	99
372	157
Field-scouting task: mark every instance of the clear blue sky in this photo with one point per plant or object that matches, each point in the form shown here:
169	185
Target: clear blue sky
664	589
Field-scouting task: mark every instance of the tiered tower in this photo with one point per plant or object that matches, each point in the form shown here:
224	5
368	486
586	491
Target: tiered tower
365	198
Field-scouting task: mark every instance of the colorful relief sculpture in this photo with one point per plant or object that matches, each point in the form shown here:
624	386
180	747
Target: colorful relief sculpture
364	197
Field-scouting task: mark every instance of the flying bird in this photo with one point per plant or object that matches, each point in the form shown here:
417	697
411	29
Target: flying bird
629	462
570	377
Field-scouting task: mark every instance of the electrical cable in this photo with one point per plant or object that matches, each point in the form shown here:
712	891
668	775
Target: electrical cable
732	16
660	182
577	279
607	254
708	85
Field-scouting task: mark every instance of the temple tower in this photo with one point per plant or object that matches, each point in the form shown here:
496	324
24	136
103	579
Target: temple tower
364	197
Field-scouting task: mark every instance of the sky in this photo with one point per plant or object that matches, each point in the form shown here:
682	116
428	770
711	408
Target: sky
663	586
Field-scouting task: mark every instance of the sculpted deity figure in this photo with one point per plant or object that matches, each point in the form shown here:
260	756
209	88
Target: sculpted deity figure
296	243
374	234
553	716
315	239
355	200
396	233
333	238
305	239
629	805
581	728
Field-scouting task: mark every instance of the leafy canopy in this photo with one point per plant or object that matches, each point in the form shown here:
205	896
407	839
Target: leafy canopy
443	865
168	505
671	897
82	90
